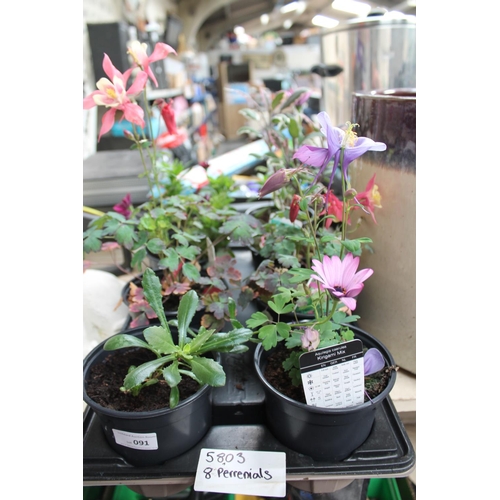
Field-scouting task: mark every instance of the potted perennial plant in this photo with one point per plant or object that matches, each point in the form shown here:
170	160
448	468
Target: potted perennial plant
183	232
150	386
322	420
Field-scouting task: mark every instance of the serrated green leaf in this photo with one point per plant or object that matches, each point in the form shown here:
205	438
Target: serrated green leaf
256	319
300	274
189	252
191	272
152	292
137	257
283	329
171	259
268	336
156	246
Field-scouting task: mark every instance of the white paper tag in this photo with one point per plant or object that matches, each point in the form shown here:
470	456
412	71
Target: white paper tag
333	377
136	441
258	473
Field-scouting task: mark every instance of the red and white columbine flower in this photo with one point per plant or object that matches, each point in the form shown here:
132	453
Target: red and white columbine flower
340	278
112	94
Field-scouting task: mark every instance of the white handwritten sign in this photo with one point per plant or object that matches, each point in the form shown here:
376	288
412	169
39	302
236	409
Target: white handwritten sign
258	473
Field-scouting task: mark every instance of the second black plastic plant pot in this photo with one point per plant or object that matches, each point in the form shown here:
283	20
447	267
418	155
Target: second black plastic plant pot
321	433
151	437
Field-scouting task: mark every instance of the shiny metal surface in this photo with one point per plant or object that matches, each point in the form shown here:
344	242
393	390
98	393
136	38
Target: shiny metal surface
376	53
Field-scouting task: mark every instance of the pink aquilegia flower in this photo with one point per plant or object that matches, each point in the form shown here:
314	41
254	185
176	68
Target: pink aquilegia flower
333	207
340	278
370	198
112	93
310	339
141	59
124	207
337	140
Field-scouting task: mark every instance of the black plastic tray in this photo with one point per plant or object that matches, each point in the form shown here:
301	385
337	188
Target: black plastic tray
239	423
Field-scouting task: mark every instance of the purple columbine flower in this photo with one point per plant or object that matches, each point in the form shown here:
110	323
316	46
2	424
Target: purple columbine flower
373	361
337	140
340	277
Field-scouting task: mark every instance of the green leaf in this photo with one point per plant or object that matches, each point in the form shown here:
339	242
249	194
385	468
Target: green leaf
171	374
300	274
159	339
200	339
249	113
293	128
283	329
227	341
208	371
231	307
156	246
189	252
171	259
152	292
138	257
256	319
187	309
191	272
268	336
124	340
174	397
277	99
139	374
352	246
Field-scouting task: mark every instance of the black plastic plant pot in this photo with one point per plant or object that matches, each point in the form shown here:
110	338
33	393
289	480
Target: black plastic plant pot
151	437
321	433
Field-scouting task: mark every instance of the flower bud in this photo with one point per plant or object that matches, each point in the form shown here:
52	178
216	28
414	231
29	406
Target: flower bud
277	180
350	194
294	207
129	135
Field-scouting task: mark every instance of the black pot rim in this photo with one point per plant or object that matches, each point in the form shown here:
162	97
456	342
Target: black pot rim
334	411
87	363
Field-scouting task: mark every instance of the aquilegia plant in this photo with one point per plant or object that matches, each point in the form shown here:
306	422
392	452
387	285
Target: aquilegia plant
332	283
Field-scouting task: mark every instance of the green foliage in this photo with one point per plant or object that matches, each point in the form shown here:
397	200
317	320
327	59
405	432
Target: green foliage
184	357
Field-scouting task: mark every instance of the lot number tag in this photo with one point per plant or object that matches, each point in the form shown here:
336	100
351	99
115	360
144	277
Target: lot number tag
258	473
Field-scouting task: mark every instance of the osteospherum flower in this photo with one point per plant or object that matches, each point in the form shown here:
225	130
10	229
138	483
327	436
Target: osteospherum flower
340	278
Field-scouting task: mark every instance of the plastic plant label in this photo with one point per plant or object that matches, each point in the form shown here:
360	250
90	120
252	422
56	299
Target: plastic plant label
333	377
136	441
258	473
